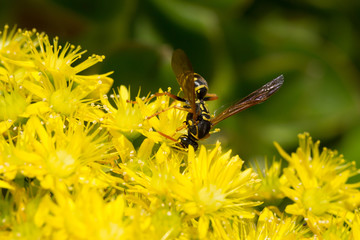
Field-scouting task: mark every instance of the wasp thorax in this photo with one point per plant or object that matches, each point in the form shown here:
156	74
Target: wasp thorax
201	86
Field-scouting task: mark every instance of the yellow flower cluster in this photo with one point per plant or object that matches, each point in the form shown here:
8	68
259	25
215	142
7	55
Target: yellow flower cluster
76	163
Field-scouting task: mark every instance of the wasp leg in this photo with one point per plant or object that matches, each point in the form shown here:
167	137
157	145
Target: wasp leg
181	128
177	98
168	108
215	131
210	97
182	143
167	136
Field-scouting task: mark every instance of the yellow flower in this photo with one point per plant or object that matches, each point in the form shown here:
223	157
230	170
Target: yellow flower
337	228
14	101
214	181
18	207
125	117
132	119
84	215
165	224
55	81
64	97
147	183
47	79
167	121
210	190
10	156
56	61
13	48
12	106
154	178
213	186
318	184
268	190
271	226
54	150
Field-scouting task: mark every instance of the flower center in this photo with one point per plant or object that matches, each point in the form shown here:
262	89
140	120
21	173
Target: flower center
211	198
11	105
63	101
61	163
316	201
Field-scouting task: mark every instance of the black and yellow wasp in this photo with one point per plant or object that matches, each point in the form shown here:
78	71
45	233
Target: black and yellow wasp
199	121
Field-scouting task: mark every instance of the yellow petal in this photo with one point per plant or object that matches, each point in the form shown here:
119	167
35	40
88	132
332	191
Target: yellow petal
145	149
124	147
203	227
4	184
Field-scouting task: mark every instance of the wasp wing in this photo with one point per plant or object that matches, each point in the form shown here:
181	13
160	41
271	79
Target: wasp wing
256	97
184	73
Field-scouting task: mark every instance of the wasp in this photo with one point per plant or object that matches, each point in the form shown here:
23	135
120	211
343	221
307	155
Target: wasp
199	121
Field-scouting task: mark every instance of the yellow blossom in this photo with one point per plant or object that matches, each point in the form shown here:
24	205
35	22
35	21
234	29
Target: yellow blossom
12	106
271	181
337	229
151	177
213	186
13	50
17	212
271	226
53	150
125	117
318	184
168	122
54	80
84	216
56	61
132	119
47	79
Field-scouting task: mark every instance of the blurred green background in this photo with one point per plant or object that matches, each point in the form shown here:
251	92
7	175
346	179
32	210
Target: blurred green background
237	45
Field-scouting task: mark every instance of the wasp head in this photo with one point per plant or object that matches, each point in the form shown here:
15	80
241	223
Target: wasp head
201	86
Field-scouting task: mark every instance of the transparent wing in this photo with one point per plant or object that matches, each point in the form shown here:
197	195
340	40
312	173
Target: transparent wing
184	73
256	97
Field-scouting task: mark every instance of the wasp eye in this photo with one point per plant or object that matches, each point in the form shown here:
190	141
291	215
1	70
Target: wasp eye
201	92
